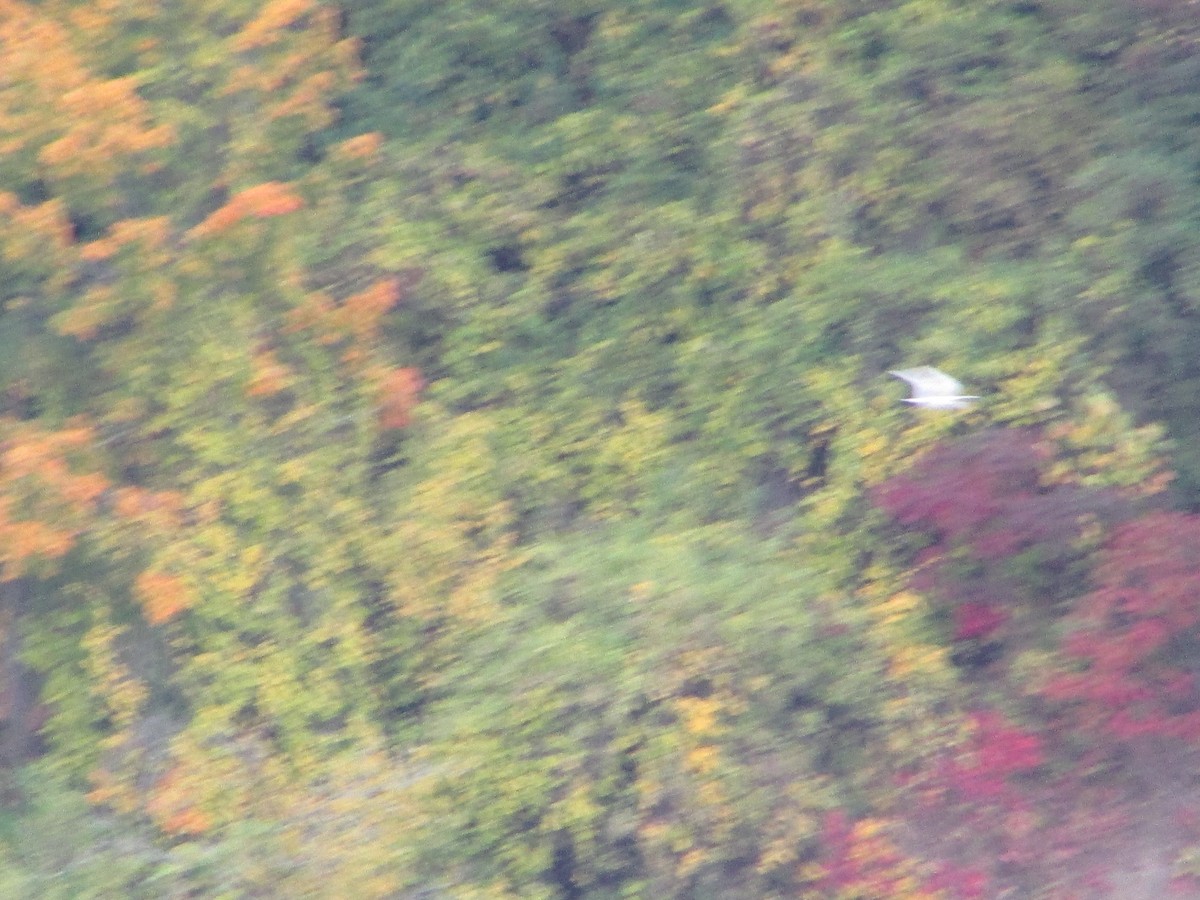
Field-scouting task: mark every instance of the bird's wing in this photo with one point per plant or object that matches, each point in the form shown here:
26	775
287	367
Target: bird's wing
927	381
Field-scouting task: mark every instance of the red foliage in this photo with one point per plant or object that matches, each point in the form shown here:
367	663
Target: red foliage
1005	749
1005	536
963	882
987	493
859	859
1131	631
976	620
1010	813
959	488
997	751
1024	807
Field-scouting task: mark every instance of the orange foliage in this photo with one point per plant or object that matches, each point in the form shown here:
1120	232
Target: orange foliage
172	809
104	789
150	233
109	120
27	540
271	23
38	59
163	508
77	435
43	504
98	250
347	53
316	311
83	321
162	596
308	100
114	791
37	487
364	147
77	124
399	391
291	56
272	198
362	311
357	317
269	376
90	19
32	232
84	490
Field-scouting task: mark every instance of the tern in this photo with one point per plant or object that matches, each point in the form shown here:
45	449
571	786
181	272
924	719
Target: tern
934	389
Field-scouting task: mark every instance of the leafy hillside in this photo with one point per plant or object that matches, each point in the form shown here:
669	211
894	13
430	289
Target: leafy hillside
446	449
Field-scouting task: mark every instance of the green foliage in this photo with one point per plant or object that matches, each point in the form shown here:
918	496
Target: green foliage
631	721
473	407
55	845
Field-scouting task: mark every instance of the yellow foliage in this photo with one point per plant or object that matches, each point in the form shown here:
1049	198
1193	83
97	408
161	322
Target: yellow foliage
699	714
121	693
703	759
350	820
729	101
1099	446
920	659
874	445
121	697
446	556
898	608
622	453
689	862
641	591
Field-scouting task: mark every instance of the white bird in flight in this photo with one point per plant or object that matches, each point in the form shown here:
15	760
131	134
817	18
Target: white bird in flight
934	389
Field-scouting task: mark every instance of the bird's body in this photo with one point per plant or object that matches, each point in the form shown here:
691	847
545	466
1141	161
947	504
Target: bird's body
934	389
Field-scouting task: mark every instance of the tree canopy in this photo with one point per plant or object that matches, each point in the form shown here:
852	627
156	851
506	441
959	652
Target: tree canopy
446	449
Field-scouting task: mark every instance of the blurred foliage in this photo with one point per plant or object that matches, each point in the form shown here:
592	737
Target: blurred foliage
445	448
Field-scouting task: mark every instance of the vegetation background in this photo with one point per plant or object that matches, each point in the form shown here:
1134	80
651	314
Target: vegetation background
445	449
